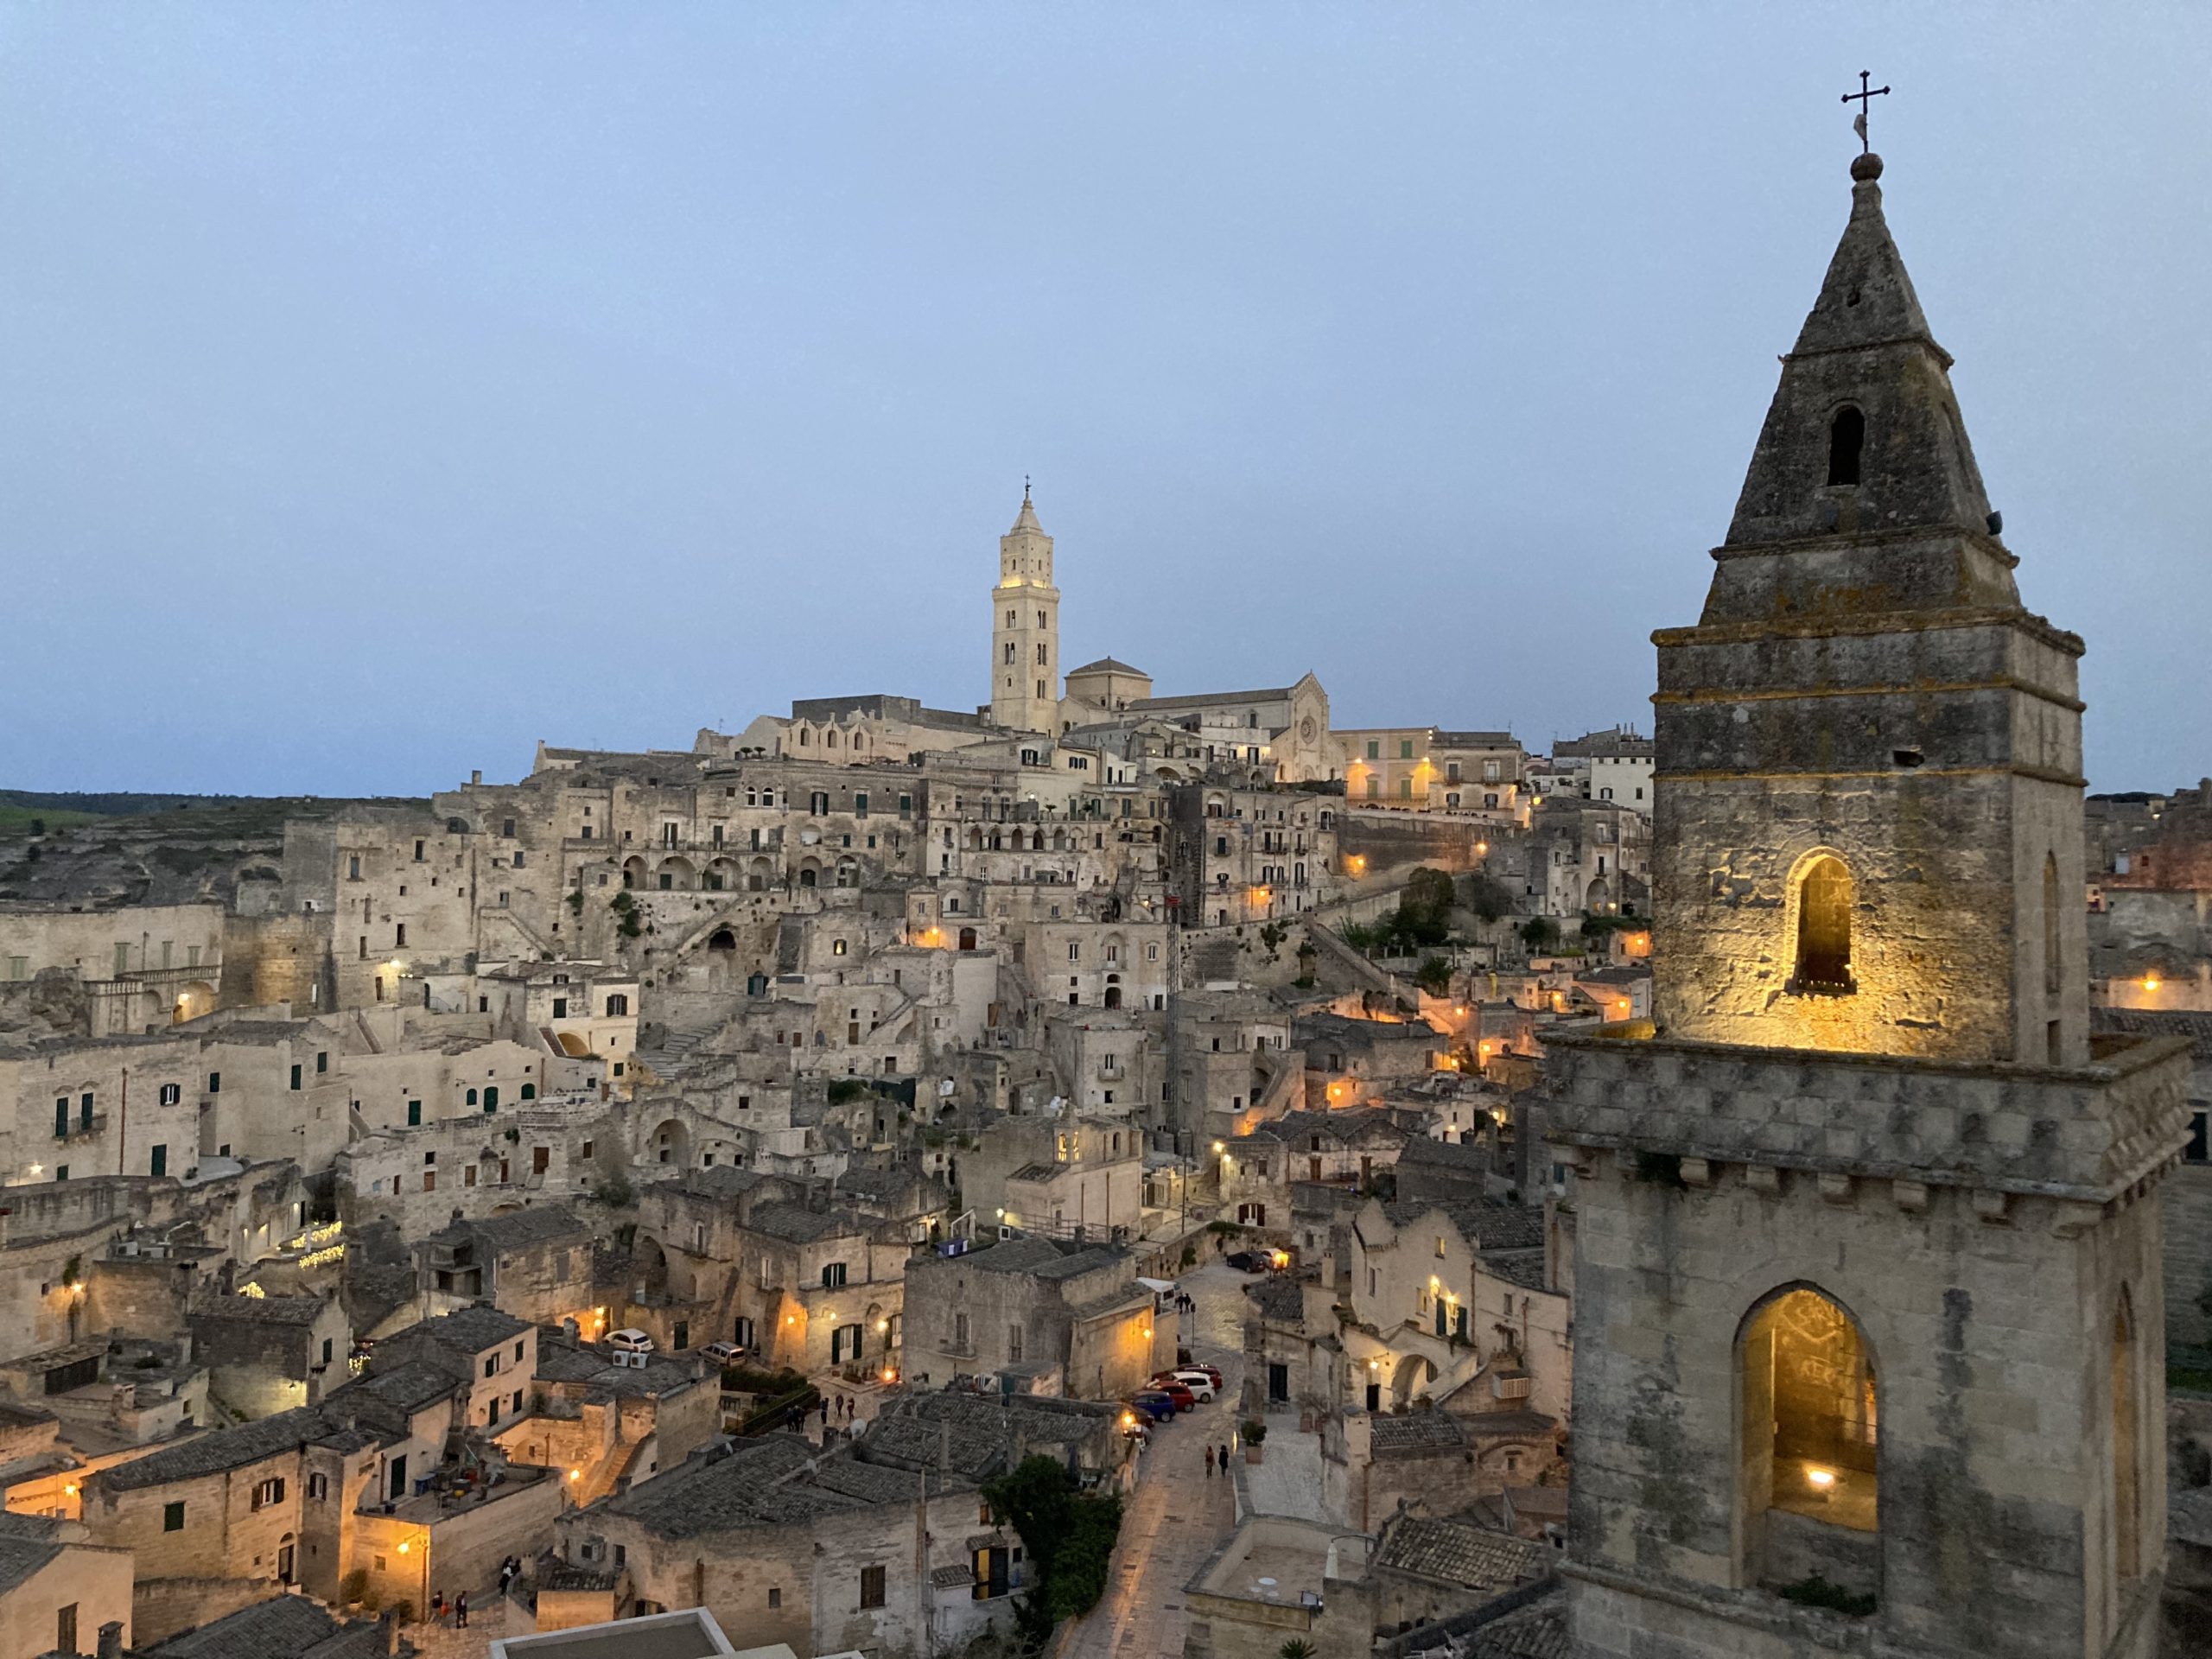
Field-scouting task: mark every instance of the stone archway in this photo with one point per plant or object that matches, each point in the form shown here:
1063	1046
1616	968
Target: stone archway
193	998
1412	1377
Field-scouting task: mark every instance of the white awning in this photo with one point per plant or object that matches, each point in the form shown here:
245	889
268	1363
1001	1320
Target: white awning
1158	1287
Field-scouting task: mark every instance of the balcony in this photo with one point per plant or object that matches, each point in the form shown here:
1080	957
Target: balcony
81	1129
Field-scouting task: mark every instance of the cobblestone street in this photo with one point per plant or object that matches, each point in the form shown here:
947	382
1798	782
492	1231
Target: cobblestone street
1177	1517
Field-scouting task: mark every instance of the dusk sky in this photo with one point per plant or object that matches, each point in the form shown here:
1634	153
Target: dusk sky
389	387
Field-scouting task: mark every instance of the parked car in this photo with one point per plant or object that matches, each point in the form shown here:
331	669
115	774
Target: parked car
1185	1398
630	1340
1203	1384
1158	1401
1247	1261
724	1353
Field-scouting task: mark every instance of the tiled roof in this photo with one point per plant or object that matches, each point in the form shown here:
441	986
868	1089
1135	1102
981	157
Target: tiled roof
752	1486
1457	1553
468	1330
1451	1154
1534	1632
1525	1267
1205	699
285	1628
20	1557
1278	1298
263	1310
1416	1431
516	1230
1484	1224
403	1388
2157	1022
797	1224
217	1450
1508	1425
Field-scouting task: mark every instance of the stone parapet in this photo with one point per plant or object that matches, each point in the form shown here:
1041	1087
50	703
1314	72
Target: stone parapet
2086	1133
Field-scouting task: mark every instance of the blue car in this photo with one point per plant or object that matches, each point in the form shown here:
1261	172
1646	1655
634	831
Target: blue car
1153	1404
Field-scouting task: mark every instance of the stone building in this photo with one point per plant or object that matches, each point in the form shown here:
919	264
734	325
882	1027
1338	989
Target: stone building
57	1593
1867	1234
534	1264
1051	1317
267	1354
141	966
1245	855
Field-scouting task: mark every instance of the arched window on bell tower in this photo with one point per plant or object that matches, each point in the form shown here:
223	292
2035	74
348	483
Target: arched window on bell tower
1823	912
1846	438
1807	1475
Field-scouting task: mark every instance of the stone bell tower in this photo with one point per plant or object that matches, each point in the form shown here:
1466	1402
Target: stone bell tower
1868	833
1026	629
1869	1351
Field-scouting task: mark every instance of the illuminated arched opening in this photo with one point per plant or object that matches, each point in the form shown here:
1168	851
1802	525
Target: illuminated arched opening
1823	910
2126	1487
1806	1473
1847	439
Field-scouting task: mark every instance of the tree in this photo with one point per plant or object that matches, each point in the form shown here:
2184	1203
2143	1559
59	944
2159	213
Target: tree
1486	896
1434	975
1070	1535
1297	1648
1539	933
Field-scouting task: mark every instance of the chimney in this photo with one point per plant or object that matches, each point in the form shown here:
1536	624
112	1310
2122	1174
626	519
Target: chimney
476	776
111	1639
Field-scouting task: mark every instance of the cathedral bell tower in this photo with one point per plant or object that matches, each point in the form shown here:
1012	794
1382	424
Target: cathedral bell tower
1869	798
1026	629
1868	1326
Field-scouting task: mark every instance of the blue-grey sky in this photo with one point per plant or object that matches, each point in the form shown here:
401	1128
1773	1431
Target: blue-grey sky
389	387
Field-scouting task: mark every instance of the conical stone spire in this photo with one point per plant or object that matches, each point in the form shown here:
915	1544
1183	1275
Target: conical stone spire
1864	434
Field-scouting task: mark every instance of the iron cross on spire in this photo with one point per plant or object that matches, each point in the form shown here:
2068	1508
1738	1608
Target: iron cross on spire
1863	97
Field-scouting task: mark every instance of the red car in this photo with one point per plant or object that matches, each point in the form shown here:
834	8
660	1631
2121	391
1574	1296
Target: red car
1179	1392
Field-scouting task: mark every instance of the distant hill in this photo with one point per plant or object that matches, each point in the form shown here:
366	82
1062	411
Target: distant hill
79	805
98	850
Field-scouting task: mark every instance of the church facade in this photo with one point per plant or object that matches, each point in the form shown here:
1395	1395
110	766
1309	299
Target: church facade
1868	1353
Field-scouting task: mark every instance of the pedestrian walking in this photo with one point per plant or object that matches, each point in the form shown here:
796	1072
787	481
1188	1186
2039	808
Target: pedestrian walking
1225	1459
460	1610
438	1608
1209	1462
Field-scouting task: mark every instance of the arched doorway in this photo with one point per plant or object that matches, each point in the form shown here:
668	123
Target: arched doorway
677	876
1415	1373
809	874
193	999
967	938
1807	1478
721	939
1113	991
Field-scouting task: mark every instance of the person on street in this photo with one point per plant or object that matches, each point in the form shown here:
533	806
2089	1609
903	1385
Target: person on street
1225	1459
460	1610
1209	1462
